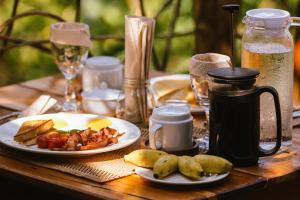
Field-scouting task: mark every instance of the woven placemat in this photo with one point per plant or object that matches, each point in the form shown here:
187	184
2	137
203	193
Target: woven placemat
100	168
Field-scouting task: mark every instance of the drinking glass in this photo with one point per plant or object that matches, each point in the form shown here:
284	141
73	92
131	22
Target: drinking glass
200	64
70	43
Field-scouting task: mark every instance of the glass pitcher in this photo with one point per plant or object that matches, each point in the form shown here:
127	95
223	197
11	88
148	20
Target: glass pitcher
267	46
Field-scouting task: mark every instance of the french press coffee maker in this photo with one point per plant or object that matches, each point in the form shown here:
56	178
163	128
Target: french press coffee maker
234	116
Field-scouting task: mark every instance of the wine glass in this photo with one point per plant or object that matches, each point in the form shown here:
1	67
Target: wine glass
70	43
200	64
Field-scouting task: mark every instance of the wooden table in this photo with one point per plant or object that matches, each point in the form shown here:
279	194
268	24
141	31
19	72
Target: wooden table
277	176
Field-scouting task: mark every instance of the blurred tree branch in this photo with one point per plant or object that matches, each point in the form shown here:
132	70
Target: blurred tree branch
26	14
139	10
78	10
10	26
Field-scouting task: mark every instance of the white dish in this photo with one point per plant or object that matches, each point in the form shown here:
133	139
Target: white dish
75	121
182	77
102	72
178	179
100	101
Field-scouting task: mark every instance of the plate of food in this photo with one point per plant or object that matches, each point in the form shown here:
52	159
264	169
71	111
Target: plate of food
66	134
160	167
173	89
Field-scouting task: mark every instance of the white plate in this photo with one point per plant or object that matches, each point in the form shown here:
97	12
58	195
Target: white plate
75	121
194	108
178	179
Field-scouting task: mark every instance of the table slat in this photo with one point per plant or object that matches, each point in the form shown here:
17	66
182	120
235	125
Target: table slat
16	97
50	84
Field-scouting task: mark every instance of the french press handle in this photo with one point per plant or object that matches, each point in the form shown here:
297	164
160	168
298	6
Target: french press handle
271	90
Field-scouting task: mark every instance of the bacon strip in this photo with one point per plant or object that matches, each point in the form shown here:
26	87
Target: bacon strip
79	140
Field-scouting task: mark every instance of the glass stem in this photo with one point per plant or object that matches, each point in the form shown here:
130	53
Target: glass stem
70	94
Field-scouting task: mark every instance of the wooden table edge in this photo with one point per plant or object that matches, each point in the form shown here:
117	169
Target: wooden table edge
51	183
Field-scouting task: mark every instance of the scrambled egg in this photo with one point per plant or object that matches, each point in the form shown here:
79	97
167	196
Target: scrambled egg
59	123
97	124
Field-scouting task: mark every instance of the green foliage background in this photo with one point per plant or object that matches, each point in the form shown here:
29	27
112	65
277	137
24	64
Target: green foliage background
104	17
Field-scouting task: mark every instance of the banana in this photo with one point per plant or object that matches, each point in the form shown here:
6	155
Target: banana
165	165
144	157
188	166
213	164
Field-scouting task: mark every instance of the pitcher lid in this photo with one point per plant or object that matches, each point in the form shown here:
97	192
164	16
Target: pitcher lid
268	18
234	74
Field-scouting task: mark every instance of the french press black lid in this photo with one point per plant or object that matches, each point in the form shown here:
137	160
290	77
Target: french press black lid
235	78
233	74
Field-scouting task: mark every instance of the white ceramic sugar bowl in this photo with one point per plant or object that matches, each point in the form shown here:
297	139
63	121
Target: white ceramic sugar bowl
102	72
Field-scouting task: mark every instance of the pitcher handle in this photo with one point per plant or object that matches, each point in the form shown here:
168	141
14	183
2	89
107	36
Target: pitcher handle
271	90
295	21
152	136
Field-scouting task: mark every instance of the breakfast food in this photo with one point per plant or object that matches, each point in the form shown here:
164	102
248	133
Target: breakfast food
188	166
78	140
31	129
46	136
97	124
213	164
174	89
59	123
185	94
165	166
144	157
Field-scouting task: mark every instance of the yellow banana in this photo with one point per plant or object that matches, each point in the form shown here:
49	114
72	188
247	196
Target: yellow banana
144	157
189	167
165	165
213	164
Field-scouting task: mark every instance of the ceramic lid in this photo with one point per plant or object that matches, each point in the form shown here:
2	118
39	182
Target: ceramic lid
103	63
171	113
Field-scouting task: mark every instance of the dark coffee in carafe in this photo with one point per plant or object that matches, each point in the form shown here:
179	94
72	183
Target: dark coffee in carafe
234	117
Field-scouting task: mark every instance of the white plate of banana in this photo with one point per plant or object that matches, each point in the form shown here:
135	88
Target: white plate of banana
160	167
177	178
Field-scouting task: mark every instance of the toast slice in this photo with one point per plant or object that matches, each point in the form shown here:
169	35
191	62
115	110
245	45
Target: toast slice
31	129
32	141
182	94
